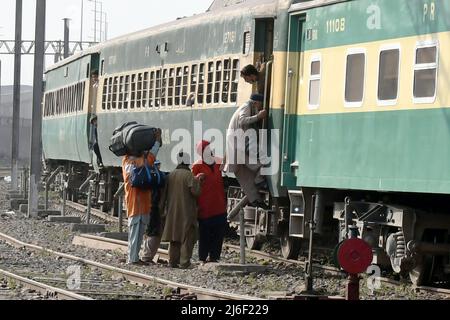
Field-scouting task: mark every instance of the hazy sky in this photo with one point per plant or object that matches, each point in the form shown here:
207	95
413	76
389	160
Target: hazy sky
123	17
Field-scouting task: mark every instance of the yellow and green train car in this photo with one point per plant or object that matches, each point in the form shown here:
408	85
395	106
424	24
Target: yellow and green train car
358	93
367	118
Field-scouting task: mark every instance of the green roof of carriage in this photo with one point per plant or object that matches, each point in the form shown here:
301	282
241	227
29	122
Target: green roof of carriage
68	74
201	39
374	20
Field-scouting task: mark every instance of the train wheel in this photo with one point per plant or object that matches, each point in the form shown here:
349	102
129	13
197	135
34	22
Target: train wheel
253	243
290	247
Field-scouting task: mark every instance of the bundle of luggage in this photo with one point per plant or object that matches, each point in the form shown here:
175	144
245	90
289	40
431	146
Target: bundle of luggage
132	139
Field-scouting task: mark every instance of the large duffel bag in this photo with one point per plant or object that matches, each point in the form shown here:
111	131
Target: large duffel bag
139	138
132	138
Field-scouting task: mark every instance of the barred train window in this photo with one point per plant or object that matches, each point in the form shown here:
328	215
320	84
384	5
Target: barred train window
139	91
226	80
178	87
126	93
194	80
158	89
115	89
185	85
171	86
247	41
388	75
164	87
145	91
110	84
235	81
104	93
133	91
218	81
201	84
355	76
210	82
121	92
314	83
425	73
151	91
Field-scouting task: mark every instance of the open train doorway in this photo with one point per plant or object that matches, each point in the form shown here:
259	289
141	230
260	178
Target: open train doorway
263	58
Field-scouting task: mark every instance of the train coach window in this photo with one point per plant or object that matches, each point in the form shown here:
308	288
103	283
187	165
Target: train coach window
171	87
226	80
145	90
354	78
185	85
139	90
133	91
158	89
194	80
314	83
165	79
151	91
121	92
218	81
388	76
104	94
235	80
126	92
210	82
178	82
425	73
247	42
110	93
201	84
115	90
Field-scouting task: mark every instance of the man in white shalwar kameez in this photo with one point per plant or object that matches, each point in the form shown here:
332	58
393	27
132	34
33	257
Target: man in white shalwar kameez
242	156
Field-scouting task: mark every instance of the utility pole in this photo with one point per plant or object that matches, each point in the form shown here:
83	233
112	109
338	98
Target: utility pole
101	20
66	37
16	97
36	127
82	14
106	26
95	19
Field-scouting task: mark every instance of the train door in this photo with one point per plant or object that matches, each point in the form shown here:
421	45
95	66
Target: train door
93	75
263	58
294	78
297	228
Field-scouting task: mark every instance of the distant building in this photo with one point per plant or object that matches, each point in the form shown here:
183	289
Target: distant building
6	105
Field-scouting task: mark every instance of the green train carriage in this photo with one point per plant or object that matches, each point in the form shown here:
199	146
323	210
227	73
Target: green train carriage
344	132
148	76
367	118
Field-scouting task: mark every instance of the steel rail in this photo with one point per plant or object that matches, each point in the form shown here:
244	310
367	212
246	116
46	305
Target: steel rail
43	288
95	212
330	270
132	276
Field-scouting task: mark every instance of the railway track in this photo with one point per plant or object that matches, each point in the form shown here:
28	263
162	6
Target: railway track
44	289
4	172
95	212
328	269
110	244
258	255
181	290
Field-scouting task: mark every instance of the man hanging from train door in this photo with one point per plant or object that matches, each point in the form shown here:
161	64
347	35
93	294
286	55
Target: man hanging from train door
242	156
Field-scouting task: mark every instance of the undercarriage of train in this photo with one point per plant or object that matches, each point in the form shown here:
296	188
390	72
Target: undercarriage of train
410	242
